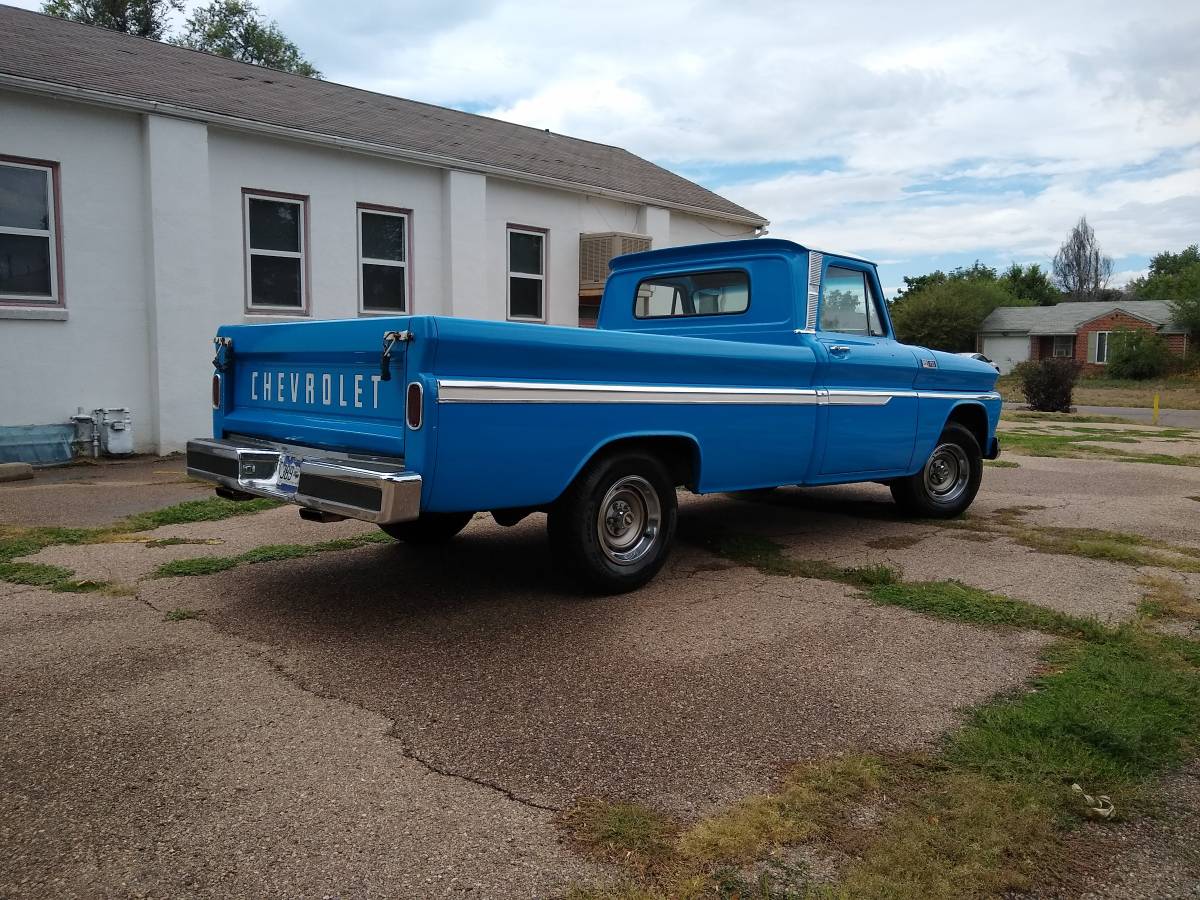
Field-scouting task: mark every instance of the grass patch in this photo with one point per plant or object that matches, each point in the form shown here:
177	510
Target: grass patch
768	557
1083	443
1114	546
18	542
176	541
1028	415
1115	712
626	833
180	614
808	802
961	835
1168	598
1177	392
956	602
208	565
1002	464
210	509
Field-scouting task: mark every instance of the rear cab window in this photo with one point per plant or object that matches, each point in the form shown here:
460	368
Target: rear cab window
692	294
848	303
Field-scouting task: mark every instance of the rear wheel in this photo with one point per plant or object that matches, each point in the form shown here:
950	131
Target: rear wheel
949	480
613	526
429	527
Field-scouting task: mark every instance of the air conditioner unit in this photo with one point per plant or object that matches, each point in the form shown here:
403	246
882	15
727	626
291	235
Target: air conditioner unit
597	249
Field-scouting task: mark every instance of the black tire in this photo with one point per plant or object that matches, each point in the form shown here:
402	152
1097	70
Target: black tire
627	550
949	479
429	527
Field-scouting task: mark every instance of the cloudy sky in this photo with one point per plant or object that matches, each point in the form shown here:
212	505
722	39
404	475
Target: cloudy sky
919	135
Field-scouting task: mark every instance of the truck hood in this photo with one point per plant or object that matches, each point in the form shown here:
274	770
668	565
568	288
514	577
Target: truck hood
943	371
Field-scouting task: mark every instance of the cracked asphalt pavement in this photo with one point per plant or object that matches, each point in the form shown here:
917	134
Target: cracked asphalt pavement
407	722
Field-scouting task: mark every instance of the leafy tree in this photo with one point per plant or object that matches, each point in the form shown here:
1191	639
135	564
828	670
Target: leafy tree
237	30
1080	267
1175	278
946	315
1186	314
144	18
977	272
1031	284
1172	277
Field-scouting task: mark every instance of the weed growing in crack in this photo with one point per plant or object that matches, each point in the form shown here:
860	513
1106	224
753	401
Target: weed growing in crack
181	614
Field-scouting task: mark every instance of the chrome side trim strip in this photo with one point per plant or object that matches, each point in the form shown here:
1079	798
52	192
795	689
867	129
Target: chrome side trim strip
951	395
464	391
455	390
815	260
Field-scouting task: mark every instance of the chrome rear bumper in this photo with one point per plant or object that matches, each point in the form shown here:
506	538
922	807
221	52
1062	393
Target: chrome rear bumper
372	489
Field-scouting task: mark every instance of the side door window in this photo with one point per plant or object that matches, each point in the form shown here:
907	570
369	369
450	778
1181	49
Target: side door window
847	304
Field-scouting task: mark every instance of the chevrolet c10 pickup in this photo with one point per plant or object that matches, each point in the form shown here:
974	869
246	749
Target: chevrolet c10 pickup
719	367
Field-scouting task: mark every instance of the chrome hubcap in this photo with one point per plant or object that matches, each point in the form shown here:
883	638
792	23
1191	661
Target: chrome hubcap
629	520
947	473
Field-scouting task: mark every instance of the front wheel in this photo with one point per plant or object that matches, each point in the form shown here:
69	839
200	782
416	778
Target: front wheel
613	526
949	480
429	527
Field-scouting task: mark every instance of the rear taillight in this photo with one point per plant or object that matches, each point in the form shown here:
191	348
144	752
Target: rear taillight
216	391
412	404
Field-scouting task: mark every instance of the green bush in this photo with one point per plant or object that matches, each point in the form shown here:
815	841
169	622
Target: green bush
1048	383
1138	355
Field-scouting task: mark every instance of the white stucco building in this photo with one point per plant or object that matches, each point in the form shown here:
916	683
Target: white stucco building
149	194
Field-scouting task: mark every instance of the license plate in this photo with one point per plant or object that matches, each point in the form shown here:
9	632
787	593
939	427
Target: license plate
287	477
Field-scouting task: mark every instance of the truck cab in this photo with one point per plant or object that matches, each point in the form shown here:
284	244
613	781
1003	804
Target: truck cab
717	367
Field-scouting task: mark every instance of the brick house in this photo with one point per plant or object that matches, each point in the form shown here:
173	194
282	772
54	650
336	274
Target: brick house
1083	331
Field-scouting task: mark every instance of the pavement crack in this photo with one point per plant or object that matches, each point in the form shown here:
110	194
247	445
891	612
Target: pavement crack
266	655
409	753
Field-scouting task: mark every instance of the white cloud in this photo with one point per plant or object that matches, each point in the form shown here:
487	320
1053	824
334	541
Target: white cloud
1023	115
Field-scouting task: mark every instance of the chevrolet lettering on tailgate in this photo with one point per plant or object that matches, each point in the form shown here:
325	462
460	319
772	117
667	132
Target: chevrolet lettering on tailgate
316	389
718	367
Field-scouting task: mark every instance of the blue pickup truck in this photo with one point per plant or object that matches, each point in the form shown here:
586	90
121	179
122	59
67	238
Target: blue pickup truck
718	367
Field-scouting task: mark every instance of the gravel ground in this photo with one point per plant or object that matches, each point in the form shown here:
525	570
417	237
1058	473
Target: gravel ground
397	722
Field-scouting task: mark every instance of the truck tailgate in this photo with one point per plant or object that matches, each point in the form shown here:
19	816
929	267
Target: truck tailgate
318	384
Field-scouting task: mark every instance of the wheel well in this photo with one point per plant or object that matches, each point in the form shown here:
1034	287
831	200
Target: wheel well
681	455
973	417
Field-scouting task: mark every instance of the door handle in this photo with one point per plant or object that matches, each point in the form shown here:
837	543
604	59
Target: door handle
839	349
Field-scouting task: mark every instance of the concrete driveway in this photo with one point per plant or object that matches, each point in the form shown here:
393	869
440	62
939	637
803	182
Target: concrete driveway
392	721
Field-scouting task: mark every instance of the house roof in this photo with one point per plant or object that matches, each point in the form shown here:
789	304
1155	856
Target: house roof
1065	318
52	55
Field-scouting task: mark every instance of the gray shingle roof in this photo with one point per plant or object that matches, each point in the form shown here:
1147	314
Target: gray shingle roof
52	50
1065	318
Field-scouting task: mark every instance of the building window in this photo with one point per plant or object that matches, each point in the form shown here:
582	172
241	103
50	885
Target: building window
1064	345
383	236
276	239
30	270
692	294
526	274
1101	340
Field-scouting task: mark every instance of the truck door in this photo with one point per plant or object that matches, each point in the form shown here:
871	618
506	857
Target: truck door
871	407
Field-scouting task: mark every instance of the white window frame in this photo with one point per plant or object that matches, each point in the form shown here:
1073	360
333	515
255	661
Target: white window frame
406	215
297	200
545	237
55	298
1070	347
1107	335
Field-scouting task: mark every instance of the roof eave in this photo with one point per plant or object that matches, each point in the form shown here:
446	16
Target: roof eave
142	105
